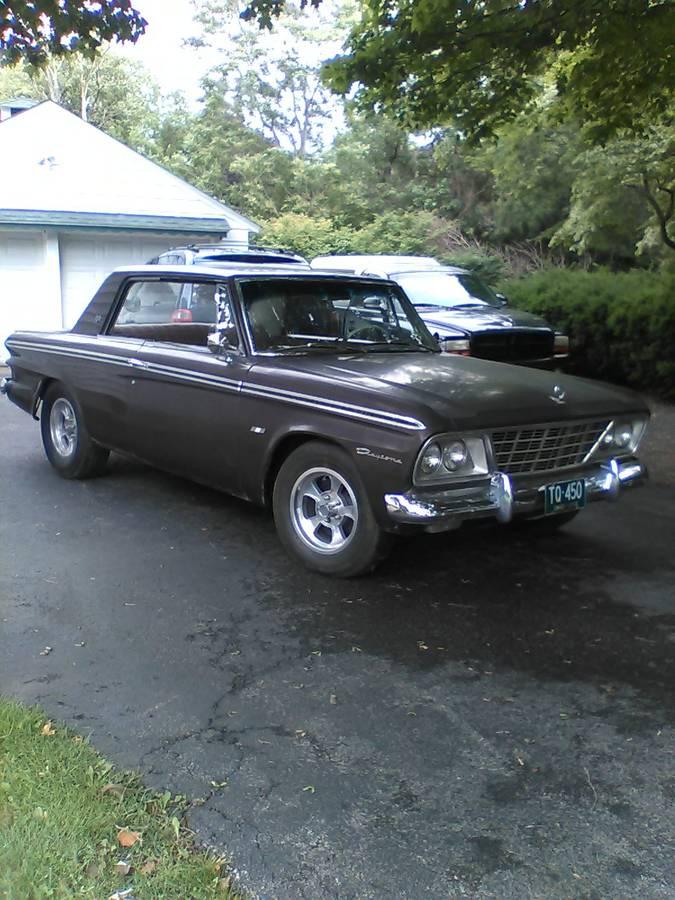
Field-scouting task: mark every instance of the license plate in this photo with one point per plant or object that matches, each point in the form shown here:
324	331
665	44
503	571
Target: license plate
564	495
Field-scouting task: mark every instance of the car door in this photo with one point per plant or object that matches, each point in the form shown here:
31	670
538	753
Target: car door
185	399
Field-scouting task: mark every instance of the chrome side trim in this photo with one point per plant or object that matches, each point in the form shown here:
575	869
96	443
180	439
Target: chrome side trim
336	407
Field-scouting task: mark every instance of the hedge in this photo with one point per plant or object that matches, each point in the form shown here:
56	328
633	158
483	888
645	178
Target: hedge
621	326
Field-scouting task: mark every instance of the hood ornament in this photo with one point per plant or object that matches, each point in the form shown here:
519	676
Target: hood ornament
559	395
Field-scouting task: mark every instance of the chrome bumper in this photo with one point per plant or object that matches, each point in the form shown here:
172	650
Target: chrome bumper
502	497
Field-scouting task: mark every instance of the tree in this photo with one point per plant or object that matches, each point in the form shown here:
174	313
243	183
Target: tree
33	30
476	64
114	93
274	81
623	198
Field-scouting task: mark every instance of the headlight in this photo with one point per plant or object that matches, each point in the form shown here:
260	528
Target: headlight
622	435
449	457
430	460
455	455
457	346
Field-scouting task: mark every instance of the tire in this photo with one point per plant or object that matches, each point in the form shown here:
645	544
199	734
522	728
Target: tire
324	539
65	438
548	524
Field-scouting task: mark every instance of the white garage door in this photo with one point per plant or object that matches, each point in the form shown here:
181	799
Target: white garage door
86	261
26	301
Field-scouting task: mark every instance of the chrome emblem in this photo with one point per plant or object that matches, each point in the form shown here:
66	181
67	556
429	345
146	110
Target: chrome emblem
558	395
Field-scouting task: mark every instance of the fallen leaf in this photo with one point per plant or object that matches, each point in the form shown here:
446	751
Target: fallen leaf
116	789
47	729
310	788
93	870
148	867
224	884
46	651
126	838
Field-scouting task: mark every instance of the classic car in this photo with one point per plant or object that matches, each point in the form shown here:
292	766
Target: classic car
325	397
464	315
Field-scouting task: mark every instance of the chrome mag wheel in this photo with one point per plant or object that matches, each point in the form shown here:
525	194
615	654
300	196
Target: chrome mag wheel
324	510
63	427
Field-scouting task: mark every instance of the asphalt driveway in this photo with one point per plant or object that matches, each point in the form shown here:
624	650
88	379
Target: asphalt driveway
490	716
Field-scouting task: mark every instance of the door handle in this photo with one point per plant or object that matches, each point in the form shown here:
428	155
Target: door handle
138	363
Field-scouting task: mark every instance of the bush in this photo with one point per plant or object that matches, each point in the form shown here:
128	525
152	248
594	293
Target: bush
309	236
621	326
487	266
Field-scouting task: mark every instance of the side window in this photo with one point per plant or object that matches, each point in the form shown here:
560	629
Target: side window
148	303
176	312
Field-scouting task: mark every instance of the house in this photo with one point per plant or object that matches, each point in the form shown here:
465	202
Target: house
76	203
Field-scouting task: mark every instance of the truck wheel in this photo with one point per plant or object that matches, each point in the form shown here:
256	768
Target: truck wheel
65	437
322	514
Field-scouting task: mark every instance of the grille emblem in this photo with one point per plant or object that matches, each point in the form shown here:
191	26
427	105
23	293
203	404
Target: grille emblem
558	395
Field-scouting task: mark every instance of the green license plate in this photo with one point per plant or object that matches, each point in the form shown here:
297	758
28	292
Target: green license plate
564	495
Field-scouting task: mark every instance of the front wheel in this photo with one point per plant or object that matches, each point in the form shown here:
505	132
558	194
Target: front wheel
322	514
66	440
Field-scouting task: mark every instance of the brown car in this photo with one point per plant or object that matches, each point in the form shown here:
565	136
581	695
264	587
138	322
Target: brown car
324	396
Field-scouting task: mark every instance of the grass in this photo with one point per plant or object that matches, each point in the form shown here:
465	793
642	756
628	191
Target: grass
64	810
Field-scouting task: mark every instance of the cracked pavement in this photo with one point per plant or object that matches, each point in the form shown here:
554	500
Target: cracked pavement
489	716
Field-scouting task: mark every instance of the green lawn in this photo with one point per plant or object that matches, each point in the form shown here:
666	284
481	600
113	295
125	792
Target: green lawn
65	813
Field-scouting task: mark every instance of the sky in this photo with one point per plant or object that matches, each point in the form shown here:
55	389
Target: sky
174	67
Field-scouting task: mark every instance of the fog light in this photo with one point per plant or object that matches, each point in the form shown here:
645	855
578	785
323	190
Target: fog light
454	455
431	459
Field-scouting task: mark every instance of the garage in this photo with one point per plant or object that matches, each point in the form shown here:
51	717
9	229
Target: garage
80	204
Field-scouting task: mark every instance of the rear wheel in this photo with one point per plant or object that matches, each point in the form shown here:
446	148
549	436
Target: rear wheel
66	440
322	514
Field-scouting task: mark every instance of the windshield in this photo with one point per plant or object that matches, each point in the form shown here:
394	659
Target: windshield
292	314
445	289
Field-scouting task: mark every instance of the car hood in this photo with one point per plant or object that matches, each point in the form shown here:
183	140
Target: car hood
450	391
448	321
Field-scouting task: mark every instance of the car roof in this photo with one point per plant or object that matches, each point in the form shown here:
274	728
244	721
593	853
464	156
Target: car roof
384	265
234	269
221	248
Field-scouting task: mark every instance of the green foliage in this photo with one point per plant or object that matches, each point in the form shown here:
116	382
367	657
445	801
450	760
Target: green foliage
487	266
112	92
621	326
308	235
431	62
407	233
34	30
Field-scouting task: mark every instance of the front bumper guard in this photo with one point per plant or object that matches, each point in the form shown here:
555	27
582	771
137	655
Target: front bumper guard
502	497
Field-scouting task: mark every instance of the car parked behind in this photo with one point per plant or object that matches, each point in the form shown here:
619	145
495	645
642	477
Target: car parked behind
465	316
227	252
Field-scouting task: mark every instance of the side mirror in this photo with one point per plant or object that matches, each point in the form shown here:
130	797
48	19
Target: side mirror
503	300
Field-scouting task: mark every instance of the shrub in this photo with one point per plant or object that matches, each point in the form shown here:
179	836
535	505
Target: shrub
621	326
308	235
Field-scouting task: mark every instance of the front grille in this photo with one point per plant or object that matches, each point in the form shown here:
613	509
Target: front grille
544	448
512	345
